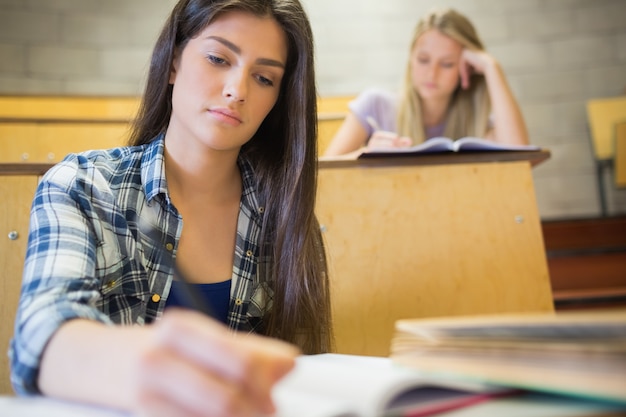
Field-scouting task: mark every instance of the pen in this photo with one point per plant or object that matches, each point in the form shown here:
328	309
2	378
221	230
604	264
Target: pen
373	123
192	297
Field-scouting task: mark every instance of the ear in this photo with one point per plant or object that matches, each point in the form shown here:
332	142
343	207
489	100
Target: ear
175	66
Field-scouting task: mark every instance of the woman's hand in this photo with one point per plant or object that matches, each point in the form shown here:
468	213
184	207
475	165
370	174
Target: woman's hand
474	61
382	139
196	367
508	122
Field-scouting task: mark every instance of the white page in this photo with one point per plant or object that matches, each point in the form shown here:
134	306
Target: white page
330	385
48	407
479	144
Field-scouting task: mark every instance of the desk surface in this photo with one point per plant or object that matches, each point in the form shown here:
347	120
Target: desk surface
534	157
533	405
443	158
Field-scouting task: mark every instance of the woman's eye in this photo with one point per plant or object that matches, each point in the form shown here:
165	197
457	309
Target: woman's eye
447	64
216	60
265	81
422	60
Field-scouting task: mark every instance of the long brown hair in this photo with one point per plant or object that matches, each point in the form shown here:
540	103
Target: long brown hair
468	112
283	154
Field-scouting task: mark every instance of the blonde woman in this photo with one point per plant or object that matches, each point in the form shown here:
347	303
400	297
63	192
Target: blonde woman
452	88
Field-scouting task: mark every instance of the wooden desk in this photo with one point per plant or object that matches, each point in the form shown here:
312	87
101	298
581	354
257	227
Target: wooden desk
429	236
406	238
17	187
620	155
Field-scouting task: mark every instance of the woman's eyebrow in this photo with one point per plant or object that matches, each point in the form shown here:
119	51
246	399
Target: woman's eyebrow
237	50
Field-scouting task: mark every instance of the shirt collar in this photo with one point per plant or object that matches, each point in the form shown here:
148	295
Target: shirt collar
153	169
155	183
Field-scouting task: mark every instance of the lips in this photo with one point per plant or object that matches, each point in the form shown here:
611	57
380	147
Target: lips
225	115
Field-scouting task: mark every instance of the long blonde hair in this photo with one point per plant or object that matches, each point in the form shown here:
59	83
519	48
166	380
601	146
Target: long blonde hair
468	112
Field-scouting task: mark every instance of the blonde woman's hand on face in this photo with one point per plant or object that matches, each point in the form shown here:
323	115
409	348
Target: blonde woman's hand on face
474	61
196	367
382	139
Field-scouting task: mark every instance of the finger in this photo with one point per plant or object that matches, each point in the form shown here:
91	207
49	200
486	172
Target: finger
464	74
181	388
403	142
209	345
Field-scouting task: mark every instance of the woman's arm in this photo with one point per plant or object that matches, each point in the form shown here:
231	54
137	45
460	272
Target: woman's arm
509	126
351	136
186	364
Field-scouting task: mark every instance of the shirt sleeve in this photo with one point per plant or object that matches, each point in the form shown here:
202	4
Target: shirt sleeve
59	281
380	105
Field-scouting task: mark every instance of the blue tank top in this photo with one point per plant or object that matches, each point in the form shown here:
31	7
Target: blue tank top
216	295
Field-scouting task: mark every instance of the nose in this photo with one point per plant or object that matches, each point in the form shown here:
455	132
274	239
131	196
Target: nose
432	72
235	88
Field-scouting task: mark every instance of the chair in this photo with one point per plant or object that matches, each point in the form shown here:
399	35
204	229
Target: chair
603	115
620	155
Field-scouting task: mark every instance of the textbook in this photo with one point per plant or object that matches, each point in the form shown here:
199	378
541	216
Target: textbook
443	144
579	354
336	385
339	385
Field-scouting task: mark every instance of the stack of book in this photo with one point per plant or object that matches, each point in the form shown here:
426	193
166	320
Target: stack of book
572	353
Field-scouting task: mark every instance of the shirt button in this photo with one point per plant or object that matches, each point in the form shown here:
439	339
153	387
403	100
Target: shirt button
261	210
156	298
249	253
169	247
238	301
111	284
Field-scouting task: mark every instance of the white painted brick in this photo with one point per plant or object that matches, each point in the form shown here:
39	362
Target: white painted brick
28	27
508	6
539	118
145	32
492	28
552	5
620	43
552	86
517	56
567	196
12	59
63	61
29	85
99	86
11	4
547	25
124	63
581	52
605	81
95	30
570	117
65	5
603	18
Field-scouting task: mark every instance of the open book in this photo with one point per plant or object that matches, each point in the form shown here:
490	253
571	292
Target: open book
573	353
442	144
336	385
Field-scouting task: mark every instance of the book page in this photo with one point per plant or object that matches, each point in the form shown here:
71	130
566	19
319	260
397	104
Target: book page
433	145
479	144
572	353
333	385
48	407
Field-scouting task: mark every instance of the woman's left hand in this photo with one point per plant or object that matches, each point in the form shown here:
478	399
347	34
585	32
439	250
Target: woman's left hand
474	61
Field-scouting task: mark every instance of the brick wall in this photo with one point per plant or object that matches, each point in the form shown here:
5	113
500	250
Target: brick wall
557	54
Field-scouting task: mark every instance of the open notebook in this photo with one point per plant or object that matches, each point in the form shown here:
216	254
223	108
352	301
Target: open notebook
443	145
333	385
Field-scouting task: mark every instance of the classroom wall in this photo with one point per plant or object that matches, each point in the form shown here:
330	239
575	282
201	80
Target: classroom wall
557	54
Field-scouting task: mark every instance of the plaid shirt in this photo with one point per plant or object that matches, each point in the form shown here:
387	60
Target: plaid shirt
87	257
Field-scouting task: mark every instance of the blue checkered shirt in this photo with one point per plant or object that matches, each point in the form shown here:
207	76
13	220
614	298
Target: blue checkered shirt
88	258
